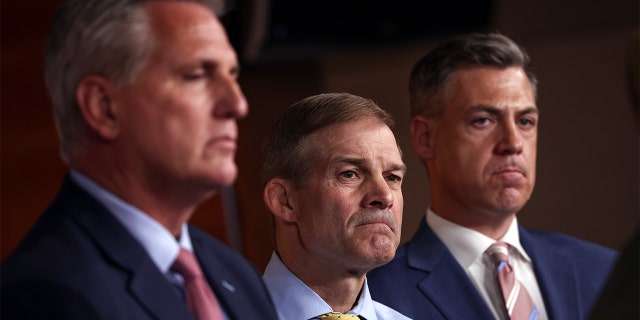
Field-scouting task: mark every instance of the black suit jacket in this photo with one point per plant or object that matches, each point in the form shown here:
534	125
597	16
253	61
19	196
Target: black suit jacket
79	262
424	281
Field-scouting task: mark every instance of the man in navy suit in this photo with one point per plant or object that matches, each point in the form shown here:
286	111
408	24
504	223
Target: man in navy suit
146	99
475	125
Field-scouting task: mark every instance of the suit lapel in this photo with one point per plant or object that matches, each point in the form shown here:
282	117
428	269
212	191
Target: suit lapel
147	284
446	284
556	275
155	293
223	289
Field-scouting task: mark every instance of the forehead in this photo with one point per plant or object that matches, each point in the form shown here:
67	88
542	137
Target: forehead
471	86
366	138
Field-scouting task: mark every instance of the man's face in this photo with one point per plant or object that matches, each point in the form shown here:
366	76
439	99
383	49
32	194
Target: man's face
350	210
179	115
484	144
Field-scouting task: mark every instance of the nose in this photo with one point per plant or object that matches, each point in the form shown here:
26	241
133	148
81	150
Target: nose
510	141
379	194
230	101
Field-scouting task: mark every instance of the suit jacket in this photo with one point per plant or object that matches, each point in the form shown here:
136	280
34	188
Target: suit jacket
424	281
79	262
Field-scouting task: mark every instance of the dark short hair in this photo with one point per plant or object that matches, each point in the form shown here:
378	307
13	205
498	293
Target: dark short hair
430	74
288	155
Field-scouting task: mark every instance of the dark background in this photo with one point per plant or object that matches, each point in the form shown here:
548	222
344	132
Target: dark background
588	165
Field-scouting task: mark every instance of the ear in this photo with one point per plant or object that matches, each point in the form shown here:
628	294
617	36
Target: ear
277	198
95	99
422	136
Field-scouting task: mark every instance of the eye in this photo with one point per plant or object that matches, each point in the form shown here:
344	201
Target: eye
394	178
348	174
195	75
481	121
527	122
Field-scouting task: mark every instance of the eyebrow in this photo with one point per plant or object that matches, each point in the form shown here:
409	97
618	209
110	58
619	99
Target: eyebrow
211	64
399	167
361	163
496	111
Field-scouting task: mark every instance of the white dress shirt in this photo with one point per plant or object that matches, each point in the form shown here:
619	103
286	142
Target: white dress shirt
468	247
294	300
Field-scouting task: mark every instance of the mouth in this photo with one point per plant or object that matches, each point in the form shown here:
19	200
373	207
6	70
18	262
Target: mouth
510	172
512	178
225	143
511	168
379	221
374	223
376	227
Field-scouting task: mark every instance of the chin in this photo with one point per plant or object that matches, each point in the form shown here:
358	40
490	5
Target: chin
510	207
511	200
382	258
226	180
383	249
223	176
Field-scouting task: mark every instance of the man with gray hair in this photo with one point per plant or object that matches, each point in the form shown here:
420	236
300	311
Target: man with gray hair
146	99
475	126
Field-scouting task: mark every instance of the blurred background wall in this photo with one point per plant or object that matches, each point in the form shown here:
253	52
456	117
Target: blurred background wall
588	145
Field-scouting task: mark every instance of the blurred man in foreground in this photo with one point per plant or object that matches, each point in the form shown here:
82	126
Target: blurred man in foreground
146	99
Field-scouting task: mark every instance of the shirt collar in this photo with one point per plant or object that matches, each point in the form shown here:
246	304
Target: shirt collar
512	237
283	285
157	241
467	245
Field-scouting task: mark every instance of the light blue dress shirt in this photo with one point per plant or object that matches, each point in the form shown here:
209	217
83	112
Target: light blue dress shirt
158	242
161	246
294	300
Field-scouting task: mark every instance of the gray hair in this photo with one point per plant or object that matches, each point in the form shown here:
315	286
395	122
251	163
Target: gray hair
430	74
287	153
108	38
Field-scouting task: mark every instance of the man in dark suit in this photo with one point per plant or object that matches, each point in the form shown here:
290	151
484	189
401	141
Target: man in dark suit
146	100
474	125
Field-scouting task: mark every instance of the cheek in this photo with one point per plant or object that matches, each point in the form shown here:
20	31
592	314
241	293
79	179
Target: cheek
398	207
532	150
467	161
317	209
187	124
462	150
531	154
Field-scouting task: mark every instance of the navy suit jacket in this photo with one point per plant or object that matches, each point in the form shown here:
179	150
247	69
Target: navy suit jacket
79	262
424	281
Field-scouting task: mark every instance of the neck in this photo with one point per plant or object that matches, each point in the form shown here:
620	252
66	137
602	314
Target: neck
161	204
492	225
341	295
338	286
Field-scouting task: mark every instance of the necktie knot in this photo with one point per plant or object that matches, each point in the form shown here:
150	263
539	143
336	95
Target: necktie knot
186	265
337	316
499	253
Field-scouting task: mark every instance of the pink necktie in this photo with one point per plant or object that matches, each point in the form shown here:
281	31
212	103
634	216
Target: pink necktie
200	298
517	301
